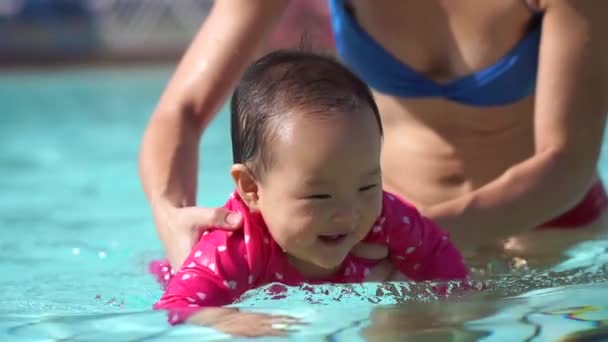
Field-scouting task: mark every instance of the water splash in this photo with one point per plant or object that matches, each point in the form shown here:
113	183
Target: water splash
391	293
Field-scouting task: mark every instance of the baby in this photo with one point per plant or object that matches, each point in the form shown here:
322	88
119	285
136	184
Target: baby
306	139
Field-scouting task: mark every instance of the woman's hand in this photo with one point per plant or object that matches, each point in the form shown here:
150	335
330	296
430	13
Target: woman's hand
187	224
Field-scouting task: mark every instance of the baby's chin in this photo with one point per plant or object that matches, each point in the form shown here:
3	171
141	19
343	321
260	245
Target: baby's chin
322	258
330	262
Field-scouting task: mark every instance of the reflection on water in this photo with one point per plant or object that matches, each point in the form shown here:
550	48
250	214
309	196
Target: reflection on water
572	305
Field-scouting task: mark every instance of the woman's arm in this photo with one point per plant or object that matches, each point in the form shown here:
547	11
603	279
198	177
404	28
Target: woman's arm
228	40
570	111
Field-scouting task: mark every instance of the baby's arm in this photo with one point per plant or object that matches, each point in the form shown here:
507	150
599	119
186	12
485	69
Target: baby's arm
242	323
199	302
214	274
417	246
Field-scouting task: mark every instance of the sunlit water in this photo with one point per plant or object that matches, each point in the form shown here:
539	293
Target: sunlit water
76	235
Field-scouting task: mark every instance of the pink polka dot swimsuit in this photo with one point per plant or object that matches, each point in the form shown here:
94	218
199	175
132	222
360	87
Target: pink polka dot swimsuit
223	264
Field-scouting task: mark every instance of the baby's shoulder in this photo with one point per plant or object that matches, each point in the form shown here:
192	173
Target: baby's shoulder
391	202
397	211
218	236
399	218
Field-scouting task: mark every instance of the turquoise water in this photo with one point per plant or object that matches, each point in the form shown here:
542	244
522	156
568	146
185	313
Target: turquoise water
76	235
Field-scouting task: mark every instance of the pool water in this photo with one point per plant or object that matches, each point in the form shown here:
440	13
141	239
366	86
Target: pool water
76	235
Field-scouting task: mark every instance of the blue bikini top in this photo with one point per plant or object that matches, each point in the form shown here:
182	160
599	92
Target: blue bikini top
511	78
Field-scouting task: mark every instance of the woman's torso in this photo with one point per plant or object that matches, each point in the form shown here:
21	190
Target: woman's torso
436	149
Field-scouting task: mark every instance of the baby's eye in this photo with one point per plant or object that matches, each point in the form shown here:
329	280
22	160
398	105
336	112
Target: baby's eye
367	187
319	196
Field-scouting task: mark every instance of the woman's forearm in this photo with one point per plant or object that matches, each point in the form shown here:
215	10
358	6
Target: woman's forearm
168	167
524	197
569	122
228	40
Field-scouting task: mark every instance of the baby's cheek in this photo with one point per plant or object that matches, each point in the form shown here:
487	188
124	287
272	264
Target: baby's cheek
305	228
311	216
372	209
294	226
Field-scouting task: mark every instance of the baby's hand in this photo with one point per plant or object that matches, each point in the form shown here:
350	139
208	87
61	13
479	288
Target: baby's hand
245	324
384	270
371	251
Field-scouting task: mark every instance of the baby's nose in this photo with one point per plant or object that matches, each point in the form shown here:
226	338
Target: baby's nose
347	215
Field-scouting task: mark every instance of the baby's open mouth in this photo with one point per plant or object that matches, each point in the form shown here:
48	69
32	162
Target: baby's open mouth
332	239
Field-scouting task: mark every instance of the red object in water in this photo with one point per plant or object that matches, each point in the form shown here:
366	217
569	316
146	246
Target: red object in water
589	209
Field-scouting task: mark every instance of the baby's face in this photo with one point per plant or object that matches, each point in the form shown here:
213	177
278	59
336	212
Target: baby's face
323	191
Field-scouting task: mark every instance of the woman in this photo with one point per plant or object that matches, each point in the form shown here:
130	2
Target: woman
495	110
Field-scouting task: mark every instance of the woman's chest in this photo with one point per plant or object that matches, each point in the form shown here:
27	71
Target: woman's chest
443	39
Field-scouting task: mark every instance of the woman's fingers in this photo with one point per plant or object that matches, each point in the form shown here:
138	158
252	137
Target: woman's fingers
206	218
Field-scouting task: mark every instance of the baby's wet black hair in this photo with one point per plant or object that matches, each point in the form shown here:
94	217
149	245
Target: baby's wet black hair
282	82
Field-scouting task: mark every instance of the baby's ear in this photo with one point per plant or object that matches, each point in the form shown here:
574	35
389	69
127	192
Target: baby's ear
246	185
